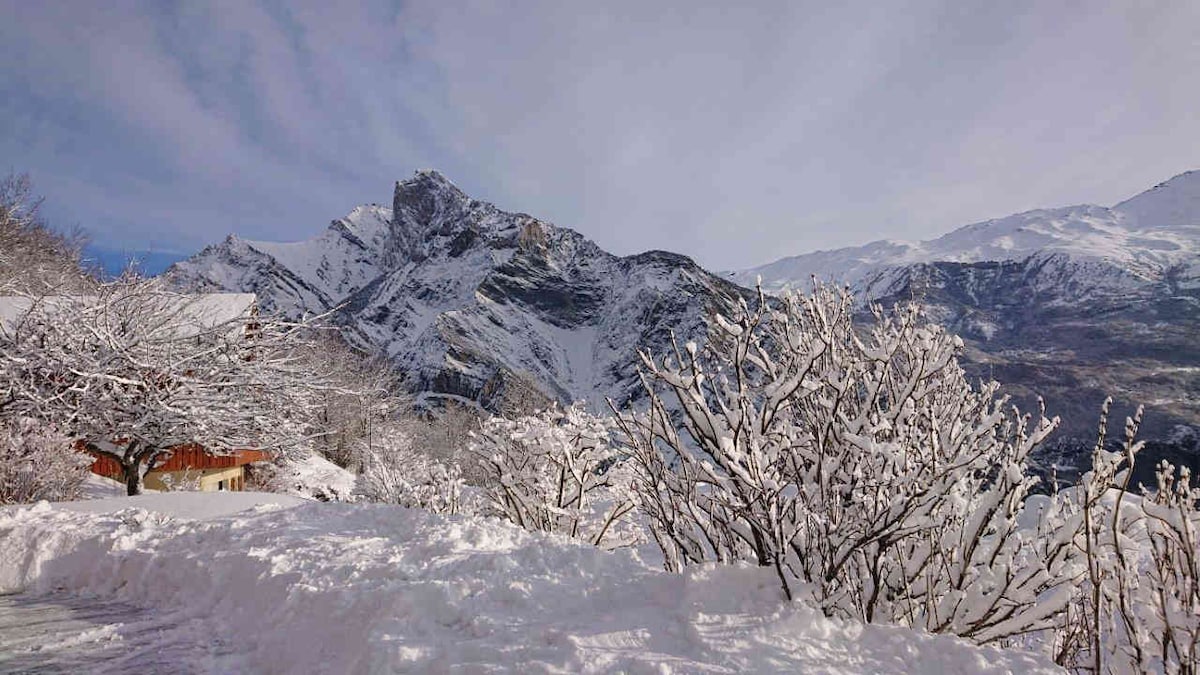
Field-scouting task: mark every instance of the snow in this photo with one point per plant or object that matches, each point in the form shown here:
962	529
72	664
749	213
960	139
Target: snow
284	586
341	260
1174	204
60	633
314	477
99	487
192	505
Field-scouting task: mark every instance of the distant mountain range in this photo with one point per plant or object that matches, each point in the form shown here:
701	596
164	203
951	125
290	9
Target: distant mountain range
1152	237
1071	304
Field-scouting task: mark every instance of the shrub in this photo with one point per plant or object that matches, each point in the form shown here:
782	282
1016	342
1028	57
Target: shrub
37	462
556	471
865	469
393	471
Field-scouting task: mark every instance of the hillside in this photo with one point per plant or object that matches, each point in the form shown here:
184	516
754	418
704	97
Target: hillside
1070	304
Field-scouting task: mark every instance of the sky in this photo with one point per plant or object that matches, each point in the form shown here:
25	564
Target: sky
736	133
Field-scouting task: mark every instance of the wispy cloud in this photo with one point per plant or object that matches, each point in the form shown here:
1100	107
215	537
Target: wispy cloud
734	134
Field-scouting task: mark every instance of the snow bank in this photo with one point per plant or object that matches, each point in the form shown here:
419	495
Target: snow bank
354	588
311	477
99	487
195	505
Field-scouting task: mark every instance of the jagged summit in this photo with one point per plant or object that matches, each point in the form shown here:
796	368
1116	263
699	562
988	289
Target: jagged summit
463	295
424	192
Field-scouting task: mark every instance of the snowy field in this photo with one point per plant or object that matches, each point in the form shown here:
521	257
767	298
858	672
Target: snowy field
274	584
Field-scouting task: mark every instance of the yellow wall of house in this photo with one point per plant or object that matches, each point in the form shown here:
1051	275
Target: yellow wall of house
208	478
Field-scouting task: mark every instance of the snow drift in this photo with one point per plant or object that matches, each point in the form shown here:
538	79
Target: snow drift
361	588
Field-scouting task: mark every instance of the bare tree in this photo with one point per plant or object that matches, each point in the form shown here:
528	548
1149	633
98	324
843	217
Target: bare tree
33	257
444	433
366	398
394	471
137	369
514	394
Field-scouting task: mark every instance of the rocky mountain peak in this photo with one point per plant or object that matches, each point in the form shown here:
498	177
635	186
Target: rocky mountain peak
430	213
425	195
464	296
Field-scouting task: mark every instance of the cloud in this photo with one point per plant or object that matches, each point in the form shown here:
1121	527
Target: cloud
730	133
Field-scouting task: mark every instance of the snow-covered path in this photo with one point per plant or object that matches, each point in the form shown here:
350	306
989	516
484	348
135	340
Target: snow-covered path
66	634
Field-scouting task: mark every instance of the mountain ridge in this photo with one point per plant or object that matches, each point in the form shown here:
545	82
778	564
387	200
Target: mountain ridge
1068	305
464	295
1146	234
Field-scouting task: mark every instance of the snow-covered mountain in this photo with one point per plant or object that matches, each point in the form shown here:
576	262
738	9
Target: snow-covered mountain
463	295
1149	238
1072	304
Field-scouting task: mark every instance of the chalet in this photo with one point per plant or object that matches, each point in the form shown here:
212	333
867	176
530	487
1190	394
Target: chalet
191	467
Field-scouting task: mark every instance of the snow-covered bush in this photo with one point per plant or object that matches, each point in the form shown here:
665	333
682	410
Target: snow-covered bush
865	469
37	462
1140	611
394	471
556	471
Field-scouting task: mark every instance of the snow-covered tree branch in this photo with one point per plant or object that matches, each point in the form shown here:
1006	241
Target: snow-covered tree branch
556	471
33	257
865	469
1140	611
37	462
394	471
136	369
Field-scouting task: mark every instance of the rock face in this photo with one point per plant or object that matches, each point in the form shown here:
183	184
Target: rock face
462	296
1071	304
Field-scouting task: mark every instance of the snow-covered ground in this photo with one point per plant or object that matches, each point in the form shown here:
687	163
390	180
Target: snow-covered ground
287	586
311	477
63	633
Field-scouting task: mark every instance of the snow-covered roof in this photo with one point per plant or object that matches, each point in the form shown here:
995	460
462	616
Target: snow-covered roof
197	312
206	310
